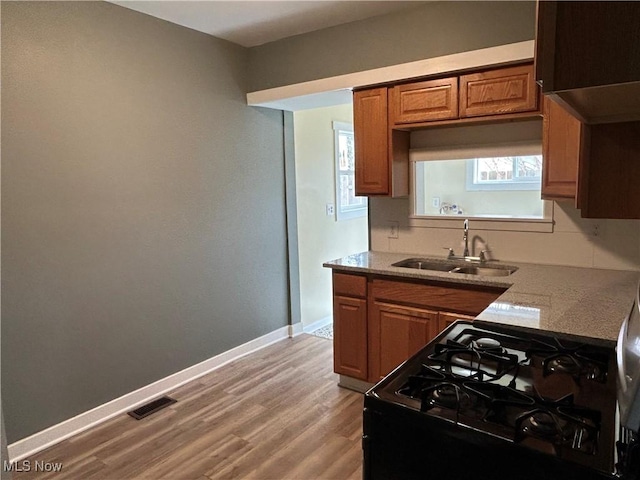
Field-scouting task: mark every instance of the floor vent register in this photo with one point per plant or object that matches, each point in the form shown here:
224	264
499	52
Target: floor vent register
151	407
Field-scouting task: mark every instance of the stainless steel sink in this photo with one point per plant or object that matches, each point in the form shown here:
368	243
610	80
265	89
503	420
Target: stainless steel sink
485	270
434	265
425	264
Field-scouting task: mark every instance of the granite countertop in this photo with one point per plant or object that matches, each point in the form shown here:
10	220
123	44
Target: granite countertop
567	301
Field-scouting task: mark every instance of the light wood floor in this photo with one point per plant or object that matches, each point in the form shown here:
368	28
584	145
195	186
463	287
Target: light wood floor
275	414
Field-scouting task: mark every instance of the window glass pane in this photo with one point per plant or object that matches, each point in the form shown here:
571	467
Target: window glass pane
347	204
487	187
345	151
497	169
529	167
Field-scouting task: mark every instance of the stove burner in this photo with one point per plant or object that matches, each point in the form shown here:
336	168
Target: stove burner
482	359
563	364
541	424
446	395
578	361
486	343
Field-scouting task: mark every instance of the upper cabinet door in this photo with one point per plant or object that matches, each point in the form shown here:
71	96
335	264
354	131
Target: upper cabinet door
562	144
425	101
370	129
494	92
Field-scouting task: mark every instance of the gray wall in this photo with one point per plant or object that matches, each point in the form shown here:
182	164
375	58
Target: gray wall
143	212
430	30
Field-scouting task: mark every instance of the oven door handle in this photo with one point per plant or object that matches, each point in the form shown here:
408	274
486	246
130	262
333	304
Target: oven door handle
622	382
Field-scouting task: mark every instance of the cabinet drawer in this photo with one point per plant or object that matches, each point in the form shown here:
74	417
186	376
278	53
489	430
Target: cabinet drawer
507	90
349	285
425	101
436	297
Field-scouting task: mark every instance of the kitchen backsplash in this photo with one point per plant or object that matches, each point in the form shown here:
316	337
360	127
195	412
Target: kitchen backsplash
612	244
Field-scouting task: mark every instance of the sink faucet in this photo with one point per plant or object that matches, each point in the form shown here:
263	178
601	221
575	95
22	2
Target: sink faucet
465	237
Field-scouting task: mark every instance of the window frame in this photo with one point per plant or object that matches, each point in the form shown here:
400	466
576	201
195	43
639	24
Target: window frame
345	212
515	184
542	224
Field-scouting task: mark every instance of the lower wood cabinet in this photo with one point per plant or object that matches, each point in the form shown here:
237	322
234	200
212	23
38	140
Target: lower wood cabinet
397	333
350	336
445	319
381	322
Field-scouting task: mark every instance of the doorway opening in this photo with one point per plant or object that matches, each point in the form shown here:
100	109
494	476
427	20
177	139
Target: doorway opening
331	223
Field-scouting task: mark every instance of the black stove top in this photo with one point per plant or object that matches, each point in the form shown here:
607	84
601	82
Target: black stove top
552	396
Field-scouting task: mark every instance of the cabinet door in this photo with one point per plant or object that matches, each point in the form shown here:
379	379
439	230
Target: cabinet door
350	336
445	319
425	101
494	92
399	333
561	149
371	141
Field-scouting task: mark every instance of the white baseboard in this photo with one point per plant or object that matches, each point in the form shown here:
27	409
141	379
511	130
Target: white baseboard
318	324
295	329
68	428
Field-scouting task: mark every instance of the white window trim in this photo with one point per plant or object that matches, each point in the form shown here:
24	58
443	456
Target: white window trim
346	212
521	224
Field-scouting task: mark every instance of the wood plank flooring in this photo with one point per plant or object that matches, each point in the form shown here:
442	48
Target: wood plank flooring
274	414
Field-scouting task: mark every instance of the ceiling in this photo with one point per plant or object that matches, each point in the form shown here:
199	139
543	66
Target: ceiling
252	23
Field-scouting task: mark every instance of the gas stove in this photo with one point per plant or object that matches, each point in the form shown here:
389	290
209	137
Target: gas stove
488	402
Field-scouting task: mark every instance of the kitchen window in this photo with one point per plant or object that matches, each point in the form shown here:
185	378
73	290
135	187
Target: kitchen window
348	205
505	173
496	184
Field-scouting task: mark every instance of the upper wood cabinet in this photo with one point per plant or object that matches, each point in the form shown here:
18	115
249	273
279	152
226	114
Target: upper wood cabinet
496	92
425	101
370	132
562	145
384	117
609	171
381	154
588	55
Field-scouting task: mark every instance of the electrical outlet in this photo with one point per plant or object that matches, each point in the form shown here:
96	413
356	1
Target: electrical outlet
393	230
595	230
435	202
330	209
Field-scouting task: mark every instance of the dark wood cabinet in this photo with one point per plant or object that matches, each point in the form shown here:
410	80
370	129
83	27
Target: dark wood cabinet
562	146
609	171
588	57
425	101
498	92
